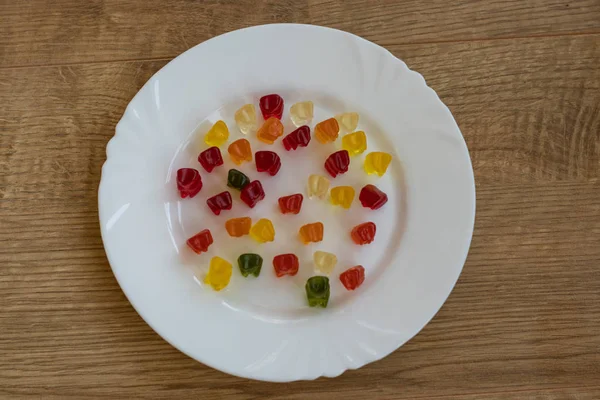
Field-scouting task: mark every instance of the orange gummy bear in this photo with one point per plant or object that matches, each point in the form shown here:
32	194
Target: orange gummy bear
237	227
327	131
311	232
240	151
270	130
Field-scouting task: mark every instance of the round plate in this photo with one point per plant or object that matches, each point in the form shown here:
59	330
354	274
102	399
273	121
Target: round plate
262	328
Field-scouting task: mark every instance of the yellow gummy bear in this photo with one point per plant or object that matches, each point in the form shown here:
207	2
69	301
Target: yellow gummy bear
355	143
217	135
377	162
302	113
245	118
347	121
324	261
318	186
342	196
219	273
263	231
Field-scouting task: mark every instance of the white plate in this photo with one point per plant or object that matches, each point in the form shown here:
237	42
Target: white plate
262	328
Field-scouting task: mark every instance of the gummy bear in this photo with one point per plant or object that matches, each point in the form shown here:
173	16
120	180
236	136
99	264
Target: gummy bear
337	163
342	196
210	158
217	135
189	182
311	232
317	186
240	151
219	273
371	197
263	231
219	202
237	179
299	137
302	113
353	277
355	143
377	162
317	291
348	121
291	204
245	118
237	227
327	131
200	242
270	130
364	233
286	264
252	193
250	263
271	105
324	261
267	161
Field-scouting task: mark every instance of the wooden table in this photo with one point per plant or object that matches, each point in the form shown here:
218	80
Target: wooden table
523	81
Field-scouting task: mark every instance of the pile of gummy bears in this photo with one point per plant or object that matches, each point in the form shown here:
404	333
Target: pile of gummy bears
189	184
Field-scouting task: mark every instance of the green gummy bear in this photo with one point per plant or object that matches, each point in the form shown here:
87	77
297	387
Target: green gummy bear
250	263
317	291
237	179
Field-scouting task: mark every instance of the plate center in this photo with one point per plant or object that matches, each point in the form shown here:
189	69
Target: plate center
285	297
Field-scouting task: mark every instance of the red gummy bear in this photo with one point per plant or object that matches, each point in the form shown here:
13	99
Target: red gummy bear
219	202
299	137
252	193
353	277
267	161
200	241
189	182
337	163
210	158
291	204
364	233
286	264
271	105
372	198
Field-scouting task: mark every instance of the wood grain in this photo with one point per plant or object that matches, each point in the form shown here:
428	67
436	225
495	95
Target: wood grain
524	319
529	108
57	32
